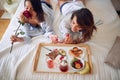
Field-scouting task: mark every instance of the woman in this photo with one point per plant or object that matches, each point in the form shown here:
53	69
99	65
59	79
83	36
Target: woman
40	22
77	24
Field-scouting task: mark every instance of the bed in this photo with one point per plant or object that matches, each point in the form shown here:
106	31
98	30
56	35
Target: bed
18	65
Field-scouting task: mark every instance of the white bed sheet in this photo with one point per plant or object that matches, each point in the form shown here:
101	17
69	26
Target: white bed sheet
18	65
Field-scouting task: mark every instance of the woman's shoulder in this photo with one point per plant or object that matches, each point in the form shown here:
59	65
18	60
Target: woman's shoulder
66	17
65	20
48	19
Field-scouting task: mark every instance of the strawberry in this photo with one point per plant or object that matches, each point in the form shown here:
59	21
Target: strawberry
61	57
67	35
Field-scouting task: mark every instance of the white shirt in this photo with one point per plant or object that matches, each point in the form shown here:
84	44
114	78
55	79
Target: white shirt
46	28
67	11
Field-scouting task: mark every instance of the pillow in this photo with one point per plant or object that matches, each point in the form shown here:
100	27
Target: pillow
113	57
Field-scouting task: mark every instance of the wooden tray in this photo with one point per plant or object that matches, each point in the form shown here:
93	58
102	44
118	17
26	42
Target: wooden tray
40	64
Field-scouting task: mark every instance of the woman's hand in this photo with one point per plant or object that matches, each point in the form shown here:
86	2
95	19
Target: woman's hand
54	38
16	39
68	39
34	21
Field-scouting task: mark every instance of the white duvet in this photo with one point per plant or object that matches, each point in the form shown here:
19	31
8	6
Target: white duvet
18	65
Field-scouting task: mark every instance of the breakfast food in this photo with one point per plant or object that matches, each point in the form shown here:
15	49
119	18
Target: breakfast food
60	57
86	69
75	48
62	52
64	66
76	52
77	64
53	54
50	64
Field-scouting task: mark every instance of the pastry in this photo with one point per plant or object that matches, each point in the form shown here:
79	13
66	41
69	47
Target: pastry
76	52
53	54
75	48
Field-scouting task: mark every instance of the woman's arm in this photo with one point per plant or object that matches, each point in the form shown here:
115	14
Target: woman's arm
48	29
47	25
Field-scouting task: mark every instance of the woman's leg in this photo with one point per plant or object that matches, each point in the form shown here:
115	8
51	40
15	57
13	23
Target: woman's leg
61	2
83	1
48	1
68	6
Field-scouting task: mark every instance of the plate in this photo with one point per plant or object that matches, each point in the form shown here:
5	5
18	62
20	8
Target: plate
77	64
77	52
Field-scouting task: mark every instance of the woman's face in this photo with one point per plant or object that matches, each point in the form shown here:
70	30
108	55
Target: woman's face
74	25
28	7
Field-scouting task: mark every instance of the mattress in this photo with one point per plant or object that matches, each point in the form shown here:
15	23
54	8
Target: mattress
18	65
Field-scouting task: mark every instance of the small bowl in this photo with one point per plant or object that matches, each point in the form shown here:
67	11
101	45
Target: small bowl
77	64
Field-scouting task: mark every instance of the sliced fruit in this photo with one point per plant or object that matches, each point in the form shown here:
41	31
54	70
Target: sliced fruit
77	66
86	70
62	52
62	57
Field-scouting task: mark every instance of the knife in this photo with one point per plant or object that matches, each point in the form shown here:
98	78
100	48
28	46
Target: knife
47	48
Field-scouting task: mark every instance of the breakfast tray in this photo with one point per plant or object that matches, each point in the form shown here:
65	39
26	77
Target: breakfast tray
40	64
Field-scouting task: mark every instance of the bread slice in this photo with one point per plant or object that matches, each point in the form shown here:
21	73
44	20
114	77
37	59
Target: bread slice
76	52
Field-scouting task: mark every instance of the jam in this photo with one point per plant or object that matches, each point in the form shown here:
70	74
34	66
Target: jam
63	66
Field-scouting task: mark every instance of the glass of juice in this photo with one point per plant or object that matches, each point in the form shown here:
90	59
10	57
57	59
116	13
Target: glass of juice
50	63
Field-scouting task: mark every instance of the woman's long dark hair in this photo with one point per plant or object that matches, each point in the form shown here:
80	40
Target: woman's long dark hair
36	4
86	21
